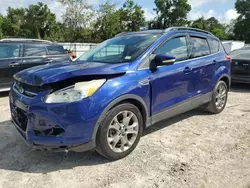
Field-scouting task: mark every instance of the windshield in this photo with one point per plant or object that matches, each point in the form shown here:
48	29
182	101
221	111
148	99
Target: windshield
243	53
120	49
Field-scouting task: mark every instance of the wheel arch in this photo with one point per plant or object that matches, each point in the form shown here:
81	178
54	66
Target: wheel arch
226	79
130	98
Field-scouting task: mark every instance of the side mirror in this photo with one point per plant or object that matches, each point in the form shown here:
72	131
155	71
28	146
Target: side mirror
164	59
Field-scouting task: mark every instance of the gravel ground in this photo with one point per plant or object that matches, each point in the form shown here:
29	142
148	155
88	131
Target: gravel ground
195	149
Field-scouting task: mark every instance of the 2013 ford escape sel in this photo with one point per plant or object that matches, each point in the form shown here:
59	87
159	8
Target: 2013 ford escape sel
109	95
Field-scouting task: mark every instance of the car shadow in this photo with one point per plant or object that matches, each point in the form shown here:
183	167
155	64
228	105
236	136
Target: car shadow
166	123
17	156
4	94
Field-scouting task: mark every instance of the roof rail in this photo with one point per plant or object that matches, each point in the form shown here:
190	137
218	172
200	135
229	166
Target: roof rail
142	31
187	28
120	34
24	40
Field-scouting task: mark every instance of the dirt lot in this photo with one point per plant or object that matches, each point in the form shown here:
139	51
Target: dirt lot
193	150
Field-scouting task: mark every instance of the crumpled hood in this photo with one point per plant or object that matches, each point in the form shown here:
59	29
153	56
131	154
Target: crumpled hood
46	74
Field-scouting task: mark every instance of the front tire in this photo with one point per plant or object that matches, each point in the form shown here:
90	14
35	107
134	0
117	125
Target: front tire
219	98
119	131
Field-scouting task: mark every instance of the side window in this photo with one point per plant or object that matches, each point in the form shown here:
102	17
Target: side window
9	50
214	45
176	47
56	50
34	50
199	47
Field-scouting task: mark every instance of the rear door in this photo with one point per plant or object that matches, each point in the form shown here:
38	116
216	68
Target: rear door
10	62
203	65
57	54
34	55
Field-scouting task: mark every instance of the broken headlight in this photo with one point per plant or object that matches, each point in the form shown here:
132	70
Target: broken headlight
75	93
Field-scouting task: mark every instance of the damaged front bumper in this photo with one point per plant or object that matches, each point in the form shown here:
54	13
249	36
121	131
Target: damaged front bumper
39	144
54	127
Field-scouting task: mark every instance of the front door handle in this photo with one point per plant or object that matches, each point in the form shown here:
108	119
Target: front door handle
14	64
187	70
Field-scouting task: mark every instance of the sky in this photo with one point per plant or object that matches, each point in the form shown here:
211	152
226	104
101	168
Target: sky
223	10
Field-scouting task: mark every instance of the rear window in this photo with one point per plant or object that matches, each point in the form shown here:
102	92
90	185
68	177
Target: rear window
214	45
9	50
56	50
200	47
34	50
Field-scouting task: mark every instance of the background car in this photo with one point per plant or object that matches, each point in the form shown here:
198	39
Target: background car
20	54
241	65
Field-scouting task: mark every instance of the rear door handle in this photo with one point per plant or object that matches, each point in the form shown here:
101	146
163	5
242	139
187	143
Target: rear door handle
214	62
187	70
14	64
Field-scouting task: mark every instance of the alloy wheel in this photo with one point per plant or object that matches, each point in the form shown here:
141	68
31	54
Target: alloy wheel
221	97
123	131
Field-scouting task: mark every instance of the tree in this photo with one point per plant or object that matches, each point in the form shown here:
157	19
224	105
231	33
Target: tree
13	23
39	20
1	23
200	23
241	28
132	16
36	21
108	21
170	13
77	17
56	33
212	25
230	29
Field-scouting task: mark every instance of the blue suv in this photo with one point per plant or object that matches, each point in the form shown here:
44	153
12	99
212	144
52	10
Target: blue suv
107	97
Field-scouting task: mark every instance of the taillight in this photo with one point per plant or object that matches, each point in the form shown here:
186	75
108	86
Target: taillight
229	58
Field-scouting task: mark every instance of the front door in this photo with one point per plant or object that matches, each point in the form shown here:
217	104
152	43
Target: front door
10	62
172	85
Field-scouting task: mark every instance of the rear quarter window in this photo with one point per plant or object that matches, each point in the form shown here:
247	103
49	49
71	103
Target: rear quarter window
56	50
200	47
214	45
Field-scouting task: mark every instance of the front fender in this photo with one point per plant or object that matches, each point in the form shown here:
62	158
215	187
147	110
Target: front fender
117	101
120	89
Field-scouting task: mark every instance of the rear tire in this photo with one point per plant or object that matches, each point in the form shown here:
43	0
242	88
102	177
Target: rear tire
119	131
219	98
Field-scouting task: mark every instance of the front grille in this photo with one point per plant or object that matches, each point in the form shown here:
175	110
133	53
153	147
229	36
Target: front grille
28	90
20	117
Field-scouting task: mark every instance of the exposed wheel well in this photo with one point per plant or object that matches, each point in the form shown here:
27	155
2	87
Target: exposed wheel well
226	80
